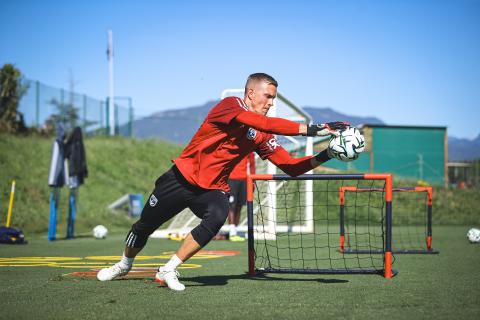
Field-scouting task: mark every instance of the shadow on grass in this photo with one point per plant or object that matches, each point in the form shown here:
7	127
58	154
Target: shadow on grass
80	236
221	280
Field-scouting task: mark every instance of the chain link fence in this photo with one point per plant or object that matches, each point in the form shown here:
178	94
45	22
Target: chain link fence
43	106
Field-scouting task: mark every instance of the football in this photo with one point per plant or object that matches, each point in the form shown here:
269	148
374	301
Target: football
100	232
348	145
473	235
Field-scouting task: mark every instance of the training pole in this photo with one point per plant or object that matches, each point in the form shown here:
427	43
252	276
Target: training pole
52	226
10	204
72	208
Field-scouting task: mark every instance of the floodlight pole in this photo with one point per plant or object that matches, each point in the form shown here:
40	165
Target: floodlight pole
111	101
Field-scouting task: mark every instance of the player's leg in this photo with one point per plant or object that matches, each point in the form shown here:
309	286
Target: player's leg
166	200
232	230
212	207
236	209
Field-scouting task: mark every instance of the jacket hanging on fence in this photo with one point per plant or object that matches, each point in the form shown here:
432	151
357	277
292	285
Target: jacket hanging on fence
57	176
77	162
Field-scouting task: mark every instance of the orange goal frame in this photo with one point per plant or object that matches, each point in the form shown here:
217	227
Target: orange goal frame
428	237
387	271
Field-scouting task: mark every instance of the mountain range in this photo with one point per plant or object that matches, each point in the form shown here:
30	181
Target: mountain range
463	149
179	125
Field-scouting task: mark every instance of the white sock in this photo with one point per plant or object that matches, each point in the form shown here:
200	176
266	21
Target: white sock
127	262
233	230
173	263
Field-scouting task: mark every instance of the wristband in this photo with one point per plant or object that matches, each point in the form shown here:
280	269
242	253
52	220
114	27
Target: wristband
312	130
322	156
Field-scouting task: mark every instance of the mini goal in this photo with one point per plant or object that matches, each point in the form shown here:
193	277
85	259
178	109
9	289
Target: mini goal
411	219
316	249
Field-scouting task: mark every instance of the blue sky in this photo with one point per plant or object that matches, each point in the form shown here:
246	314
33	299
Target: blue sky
409	62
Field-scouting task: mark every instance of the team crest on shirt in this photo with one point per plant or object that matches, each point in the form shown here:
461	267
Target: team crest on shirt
153	200
251	134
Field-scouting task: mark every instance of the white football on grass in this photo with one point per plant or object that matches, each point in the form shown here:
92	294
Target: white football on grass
100	232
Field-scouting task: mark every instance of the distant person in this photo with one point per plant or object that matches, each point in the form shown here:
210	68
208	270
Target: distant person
238	194
198	179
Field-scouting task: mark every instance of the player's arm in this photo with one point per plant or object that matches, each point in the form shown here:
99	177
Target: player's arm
296	166
270	124
287	127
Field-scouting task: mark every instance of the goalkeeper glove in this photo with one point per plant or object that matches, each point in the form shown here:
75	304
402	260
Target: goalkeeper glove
326	129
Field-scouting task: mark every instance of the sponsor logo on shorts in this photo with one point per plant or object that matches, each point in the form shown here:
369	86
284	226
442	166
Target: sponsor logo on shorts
153	200
251	134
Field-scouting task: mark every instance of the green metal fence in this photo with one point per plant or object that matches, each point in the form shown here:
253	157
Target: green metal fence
411	152
43	105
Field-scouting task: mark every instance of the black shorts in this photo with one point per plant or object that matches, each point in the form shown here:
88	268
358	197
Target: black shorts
238	193
173	193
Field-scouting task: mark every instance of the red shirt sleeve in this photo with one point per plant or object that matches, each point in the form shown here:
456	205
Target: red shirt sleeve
291	166
269	125
268	146
226	110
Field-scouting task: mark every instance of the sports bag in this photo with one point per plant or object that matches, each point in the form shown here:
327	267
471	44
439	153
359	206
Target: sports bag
11	236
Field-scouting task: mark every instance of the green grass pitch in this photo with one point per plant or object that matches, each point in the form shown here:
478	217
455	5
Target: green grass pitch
444	286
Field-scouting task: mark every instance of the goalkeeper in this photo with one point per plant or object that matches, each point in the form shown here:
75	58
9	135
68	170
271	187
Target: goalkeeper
198	179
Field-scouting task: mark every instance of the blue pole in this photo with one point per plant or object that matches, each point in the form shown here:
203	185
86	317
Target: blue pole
72	208
52	226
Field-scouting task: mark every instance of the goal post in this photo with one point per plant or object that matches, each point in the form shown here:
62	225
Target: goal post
315	251
412	219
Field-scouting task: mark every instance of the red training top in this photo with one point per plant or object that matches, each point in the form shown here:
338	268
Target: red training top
244	167
228	134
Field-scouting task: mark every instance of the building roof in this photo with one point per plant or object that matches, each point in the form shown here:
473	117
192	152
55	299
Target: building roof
459	165
402	126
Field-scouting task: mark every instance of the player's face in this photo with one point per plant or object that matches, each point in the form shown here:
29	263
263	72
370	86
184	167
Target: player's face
261	97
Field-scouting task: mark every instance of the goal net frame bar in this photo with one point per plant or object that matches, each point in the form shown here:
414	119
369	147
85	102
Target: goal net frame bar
387	265
428	238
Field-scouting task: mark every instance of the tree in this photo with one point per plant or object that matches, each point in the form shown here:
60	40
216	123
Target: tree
67	115
12	89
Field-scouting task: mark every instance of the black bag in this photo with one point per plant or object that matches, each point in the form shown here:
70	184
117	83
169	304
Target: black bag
11	236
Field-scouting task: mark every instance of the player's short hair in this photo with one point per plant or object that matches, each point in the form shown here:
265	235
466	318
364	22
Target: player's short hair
255	77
